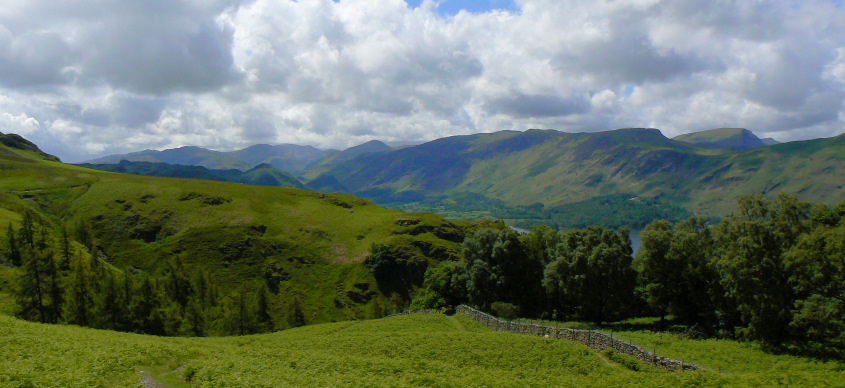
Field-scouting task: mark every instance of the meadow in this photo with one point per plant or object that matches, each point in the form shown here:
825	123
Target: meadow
404	350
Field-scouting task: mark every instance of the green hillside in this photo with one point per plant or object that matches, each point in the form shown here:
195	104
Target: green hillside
409	350
557	169
331	159
17	142
263	174
306	247
732	138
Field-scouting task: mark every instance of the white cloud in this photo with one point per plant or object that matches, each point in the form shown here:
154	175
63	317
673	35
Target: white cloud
20	124
123	76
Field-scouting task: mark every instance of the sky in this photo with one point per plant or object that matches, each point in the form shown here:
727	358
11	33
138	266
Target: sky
86	78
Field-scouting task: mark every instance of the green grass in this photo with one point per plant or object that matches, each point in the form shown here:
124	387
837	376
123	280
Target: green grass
406	350
237	232
745	362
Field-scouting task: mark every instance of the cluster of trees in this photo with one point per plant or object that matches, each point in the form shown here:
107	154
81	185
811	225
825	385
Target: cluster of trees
62	282
575	274
773	271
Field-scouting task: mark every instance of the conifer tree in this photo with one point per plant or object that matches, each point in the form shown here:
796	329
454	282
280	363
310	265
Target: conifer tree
14	249
32	291
27	231
263	313
55	288
144	309
108	303
78	298
64	264
297	318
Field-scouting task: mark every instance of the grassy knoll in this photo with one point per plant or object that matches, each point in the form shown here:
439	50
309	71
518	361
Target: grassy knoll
420	349
308	248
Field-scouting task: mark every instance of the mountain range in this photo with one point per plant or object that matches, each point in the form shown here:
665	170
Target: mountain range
703	172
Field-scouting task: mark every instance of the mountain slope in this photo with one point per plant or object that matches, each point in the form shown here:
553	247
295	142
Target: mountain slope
733	138
291	158
331	159
307	247
556	168
18	142
263	174
188	156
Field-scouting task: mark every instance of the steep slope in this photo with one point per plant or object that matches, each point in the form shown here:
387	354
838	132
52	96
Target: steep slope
188	156
306	247
733	138
291	158
18	142
555	168
350	153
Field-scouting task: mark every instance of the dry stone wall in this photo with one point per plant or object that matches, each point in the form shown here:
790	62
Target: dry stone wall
594	339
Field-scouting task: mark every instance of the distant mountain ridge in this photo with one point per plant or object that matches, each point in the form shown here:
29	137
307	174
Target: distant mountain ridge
186	156
702	172
287	157
733	138
555	168
263	174
291	158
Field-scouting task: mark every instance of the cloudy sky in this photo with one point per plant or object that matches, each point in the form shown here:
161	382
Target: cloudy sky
84	78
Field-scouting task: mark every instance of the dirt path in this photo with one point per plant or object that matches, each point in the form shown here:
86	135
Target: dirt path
148	381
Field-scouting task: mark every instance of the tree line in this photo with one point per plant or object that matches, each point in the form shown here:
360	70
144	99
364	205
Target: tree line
62	281
773	271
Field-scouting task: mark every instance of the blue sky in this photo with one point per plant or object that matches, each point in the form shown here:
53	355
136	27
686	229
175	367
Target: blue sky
452	7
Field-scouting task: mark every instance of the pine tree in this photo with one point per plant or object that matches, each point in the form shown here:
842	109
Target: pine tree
55	289
27	231
144	309
107	304
14	249
32	291
83	235
263	313
42	240
78	298
64	264
297	318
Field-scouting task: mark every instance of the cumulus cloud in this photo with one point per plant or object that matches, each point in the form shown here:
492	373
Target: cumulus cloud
86	77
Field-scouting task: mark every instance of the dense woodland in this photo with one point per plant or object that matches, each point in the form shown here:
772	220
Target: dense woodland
773	271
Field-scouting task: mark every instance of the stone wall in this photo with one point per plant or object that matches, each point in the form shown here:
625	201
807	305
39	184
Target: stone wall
594	339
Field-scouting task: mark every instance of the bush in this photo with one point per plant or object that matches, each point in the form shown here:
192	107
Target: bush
504	310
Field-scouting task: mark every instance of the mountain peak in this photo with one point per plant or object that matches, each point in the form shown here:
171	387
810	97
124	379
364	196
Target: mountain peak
732	138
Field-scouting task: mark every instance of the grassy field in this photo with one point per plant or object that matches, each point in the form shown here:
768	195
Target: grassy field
409	350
